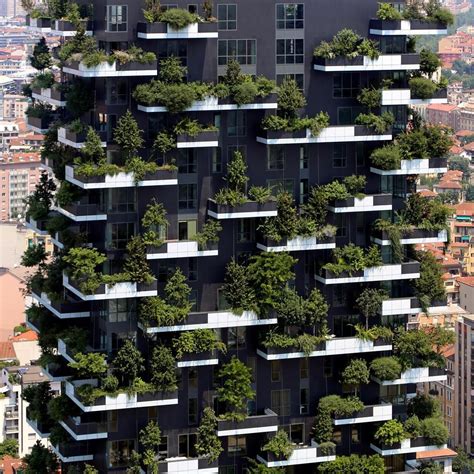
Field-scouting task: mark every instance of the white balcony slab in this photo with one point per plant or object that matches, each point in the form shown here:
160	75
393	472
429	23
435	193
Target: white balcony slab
365	204
65	141
406	448
180	465
31	224
80	218
108	70
442	236
406	29
414	375
84	437
43	300
300	456
403	97
216	320
68	459
196	363
411	167
385	62
45	96
188	32
198	144
397	306
298	244
380	413
182	249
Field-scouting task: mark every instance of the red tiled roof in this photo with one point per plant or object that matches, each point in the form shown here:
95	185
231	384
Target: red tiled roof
436	453
467	280
464	133
455	150
442	107
469	146
427	193
26	336
7	352
464	208
448	185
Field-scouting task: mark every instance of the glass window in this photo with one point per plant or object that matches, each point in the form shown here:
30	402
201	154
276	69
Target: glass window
339	296
227	17
187	443
304	401
119	234
116	18
173	48
289	16
346	84
192	378
244	51
231	149
236	338
355	436
360	154
337	436
245	230
304	368
121	200
163	448
280	185
236	445
275	157
187	196
187	229
187	162
281	401
289	51
216	164
120	310
192	269
237	123
304	153
304	191
192	411
339	155
117	92
120	451
275	370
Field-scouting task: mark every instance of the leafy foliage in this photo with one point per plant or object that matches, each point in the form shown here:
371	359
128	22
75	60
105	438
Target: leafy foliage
391	432
280	445
356	372
40	460
237	288
162	367
352	258
41	58
208	444
429	287
128	363
355	463
386	368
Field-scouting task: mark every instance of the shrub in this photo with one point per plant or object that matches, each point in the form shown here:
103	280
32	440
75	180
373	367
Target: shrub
429	62
386	368
412	426
237	289
390	432
355	463
128	363
430	286
162	368
172	71
352	258
178	18
387	157
387	12
200	340
422	88
260	194
434	430
208	444
356	372
378	123
290	98
280	445
355	184
370	98
244	93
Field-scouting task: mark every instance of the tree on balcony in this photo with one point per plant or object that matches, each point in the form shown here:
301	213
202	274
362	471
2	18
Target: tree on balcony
208	443
89	365
355	374
162	368
39	203
390	433
386	368
237	289
40	460
369	303
279	445
150	439
127	135
355	462
429	287
128	363
41	57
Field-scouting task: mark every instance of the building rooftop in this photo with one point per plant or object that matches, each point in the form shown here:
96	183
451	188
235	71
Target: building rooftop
25	337
466	280
464	209
436	453
449	185
442	107
7	352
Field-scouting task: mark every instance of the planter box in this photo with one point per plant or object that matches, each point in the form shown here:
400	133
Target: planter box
424	166
119	290
301	455
73	452
162	30
83	212
198	360
416	375
406	27
334	346
371	203
407	446
213	104
130	69
264	423
182	249
297	244
398	271
385	62
65	28
84	431
188	465
249	209
39	124
213	320
416	236
38	226
42	25
63	310
201	140
369	414
51	95
121	180
77	140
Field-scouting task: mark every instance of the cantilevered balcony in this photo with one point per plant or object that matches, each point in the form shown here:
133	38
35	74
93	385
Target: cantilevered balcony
266	422
121	180
331	347
118	290
369	203
301	455
77	139
412	237
73	452
248	210
43	430
198	360
416	375
84	431
182	465
181	249
332	134
205	139
408	305
39	124
116	69
82	212
297	244
213	320
407	97
369	414
62	309
66	29
407	446
38	25
406	27
51	95
399	271
37	226
424	166
164	31
57	372
385	62
121	401
214	104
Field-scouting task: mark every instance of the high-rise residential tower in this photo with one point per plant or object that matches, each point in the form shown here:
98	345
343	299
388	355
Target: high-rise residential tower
231	280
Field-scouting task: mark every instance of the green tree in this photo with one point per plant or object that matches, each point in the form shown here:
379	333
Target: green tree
462	462
136	264
236	389
128	135
39	203
429	287
150	438
162	368
356	372
34	255
91	364
208	443
128	363
41	58
92	149
369	303
177	291
237	289
429	62
354	464
9	447
280	445
461	164
40	460
237	173
290	98
390	432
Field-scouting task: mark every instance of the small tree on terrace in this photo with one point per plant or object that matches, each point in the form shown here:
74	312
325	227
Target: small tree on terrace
127	135
290	98
41	58
208	444
237	173
369	303
128	363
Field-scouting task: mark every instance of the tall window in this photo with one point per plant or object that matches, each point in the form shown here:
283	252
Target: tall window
244	51
281	401
275	157
227	17
117	92
121	200
346	84
236	337
120	451
236	445
237	123
187	162
173	48
289	16
187	443
298	78
339	155
119	235
289	51
116	18
245	230
119	310
187	196
192	411
278	186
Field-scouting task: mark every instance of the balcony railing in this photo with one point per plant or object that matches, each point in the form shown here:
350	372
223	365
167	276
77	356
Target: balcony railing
385	62
267	422
296	244
370	203
160	30
73	452
206	139
63	309
407	97
406	27
182	249
407	446
84	431
198	360
65	28
369	414
39	25
424	166
78	139
412	237
249	209
417	375
301	455
82	212
116	69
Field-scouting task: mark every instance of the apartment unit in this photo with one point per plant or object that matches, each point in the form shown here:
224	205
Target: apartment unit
191	190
